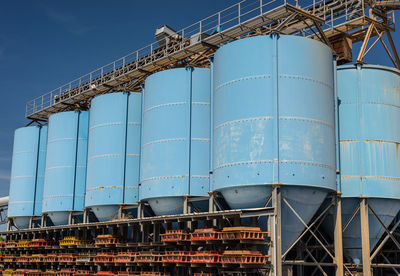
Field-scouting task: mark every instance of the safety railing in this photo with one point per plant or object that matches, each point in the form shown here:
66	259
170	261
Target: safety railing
213	24
332	11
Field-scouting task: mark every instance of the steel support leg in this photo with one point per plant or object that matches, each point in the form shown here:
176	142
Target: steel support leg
365	237
70	218
212	207
30	222
211	203
43	221
365	43
120	212
140	210
185	205
274	225
394	50
338	234
187	210
86	215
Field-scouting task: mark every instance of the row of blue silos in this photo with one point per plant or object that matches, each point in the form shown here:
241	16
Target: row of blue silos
263	114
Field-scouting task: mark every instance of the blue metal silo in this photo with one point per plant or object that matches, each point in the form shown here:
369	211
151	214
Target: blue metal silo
26	185
273	123
65	176
175	138
113	155
369	115
41	168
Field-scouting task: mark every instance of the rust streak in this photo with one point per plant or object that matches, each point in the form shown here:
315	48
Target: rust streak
384	141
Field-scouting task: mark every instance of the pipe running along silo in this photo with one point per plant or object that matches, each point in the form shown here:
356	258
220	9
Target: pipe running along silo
175	138
369	131
27	174
65	176
113	154
273	123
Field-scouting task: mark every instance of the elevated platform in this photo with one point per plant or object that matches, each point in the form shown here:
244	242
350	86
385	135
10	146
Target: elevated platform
193	45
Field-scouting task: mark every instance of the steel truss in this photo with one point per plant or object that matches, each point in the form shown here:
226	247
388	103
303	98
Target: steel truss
311	249
148	228
337	23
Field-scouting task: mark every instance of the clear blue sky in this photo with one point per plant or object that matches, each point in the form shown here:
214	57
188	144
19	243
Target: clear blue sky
45	44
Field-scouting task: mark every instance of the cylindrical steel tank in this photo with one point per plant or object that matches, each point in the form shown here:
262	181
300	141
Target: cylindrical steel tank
273	123
26	185
113	154
369	131
65	176
175	138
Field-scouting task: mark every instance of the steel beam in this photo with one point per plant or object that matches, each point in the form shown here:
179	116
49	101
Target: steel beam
383	242
365	247
394	50
338	237
275	228
365	43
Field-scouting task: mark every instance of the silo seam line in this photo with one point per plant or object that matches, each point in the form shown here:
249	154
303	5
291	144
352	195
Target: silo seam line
59	167
164	177
57	196
305	78
244	120
306	120
22	176
372	176
242	163
264	76
24	151
271	161
164	105
105	124
111	187
201	139
370	140
163	141
104	155
201	103
60	139
377	103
